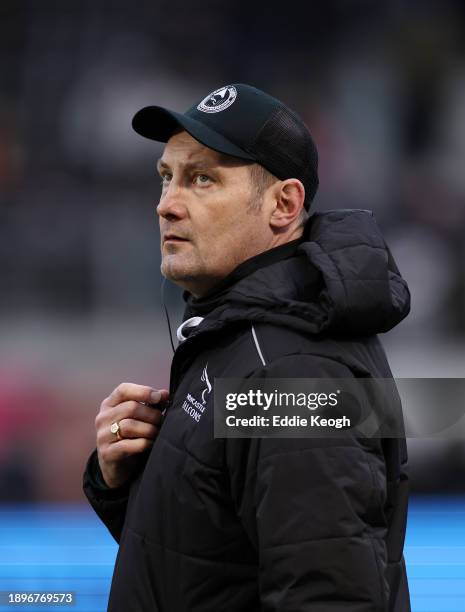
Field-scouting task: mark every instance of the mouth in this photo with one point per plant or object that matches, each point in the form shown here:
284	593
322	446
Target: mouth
173	238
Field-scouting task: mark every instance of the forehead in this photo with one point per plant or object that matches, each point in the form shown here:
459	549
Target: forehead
183	148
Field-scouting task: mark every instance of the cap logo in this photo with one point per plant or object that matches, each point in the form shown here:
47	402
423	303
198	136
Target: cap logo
218	100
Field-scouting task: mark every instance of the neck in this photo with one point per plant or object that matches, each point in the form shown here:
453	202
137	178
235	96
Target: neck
266	258
278	238
201	287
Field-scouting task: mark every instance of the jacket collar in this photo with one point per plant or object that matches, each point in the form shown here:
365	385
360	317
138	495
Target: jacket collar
202	306
339	279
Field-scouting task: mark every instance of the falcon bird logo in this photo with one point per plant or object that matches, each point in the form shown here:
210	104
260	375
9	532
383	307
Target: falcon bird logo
218	100
219	96
205	379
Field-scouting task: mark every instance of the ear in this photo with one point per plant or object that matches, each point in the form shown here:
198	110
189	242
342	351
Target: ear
289	199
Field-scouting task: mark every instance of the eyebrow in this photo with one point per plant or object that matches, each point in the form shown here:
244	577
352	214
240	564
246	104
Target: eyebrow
198	165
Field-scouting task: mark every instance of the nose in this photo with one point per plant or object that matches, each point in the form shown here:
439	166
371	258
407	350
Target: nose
171	205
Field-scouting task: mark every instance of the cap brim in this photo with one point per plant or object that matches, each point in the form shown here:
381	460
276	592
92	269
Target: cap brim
158	123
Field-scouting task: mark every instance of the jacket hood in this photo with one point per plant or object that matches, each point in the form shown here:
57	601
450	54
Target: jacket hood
342	279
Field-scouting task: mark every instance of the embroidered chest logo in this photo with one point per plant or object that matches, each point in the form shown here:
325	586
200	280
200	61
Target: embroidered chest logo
192	406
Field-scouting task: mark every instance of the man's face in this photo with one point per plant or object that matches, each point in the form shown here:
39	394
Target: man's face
207	227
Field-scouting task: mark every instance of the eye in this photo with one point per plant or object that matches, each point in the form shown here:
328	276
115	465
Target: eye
202	179
165	178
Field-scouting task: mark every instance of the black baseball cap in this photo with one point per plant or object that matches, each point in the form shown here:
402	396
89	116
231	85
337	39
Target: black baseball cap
245	122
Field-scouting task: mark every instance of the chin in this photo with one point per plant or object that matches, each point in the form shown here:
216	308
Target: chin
177	271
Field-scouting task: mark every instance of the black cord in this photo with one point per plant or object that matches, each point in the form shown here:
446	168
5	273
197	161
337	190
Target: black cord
166	312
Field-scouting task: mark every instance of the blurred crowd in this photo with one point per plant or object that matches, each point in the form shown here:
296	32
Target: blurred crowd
381	87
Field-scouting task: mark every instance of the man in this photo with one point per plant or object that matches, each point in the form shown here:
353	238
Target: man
219	524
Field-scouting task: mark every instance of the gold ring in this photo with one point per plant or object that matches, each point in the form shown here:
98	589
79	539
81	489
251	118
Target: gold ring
115	430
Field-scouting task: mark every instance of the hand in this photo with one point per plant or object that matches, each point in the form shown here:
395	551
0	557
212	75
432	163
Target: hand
139	425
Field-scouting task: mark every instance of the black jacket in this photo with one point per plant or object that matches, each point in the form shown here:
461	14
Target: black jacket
313	524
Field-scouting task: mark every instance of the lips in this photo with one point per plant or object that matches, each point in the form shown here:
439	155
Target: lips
174	238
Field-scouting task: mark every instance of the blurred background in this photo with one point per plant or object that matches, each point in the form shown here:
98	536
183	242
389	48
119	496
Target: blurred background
381	87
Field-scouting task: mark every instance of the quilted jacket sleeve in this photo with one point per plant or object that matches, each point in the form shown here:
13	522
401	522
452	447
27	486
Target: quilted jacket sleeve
109	504
313	509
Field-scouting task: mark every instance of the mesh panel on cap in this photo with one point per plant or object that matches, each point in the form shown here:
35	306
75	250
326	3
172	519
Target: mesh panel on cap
285	148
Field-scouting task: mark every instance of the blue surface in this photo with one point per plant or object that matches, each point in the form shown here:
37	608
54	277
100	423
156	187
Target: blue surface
66	548
435	554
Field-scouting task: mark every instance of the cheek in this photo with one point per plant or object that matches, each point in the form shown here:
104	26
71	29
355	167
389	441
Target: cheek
233	241
213	224
224	228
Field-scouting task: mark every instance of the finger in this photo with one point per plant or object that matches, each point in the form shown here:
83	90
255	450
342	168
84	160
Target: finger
126	448
131	391
126	410
137	411
164	396
130	428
